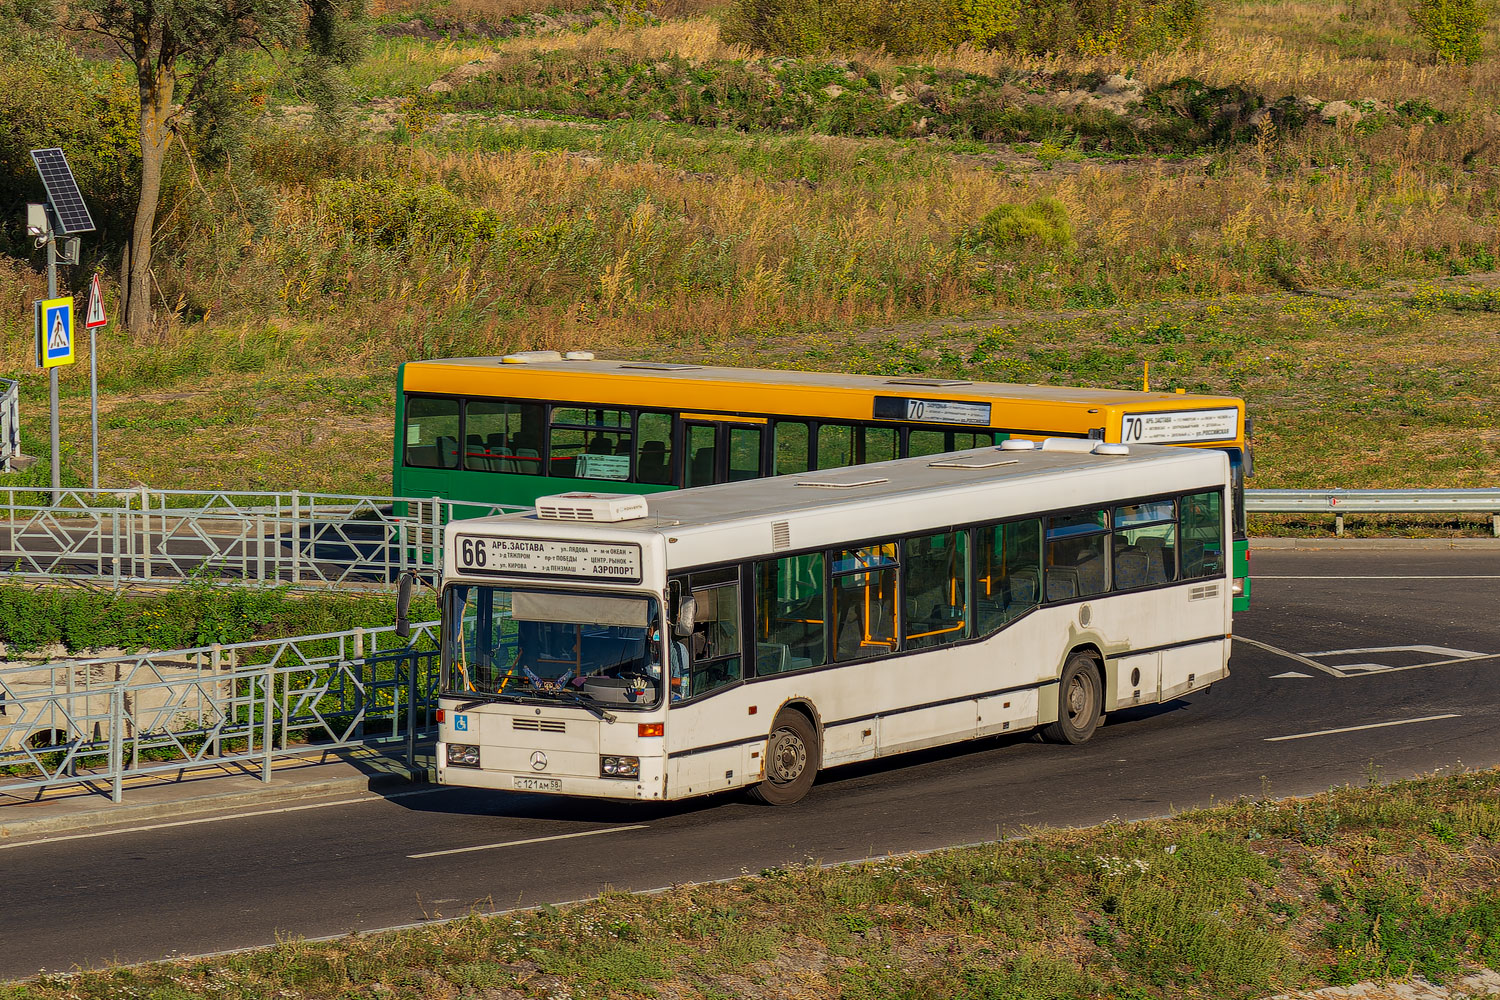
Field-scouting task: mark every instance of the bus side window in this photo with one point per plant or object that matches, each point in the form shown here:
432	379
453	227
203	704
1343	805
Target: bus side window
791	614
1076	558
1202	535
926	442
653	461
590	443
877	444
503	437
714	646
864	602
1145	541
1007	573
791	447
432	433
935	589
835	446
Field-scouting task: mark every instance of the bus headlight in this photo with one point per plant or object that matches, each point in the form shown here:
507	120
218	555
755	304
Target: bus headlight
619	767
1237	588
462	755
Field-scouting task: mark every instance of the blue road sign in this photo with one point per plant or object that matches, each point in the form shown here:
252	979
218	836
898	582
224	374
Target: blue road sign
54	335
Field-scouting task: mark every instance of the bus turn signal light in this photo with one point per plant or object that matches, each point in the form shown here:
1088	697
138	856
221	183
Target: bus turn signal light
650	729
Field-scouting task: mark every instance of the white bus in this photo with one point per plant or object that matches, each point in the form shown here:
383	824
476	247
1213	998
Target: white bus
748	634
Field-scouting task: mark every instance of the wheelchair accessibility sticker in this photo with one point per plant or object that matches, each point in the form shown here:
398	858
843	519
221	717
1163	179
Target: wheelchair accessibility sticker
461	723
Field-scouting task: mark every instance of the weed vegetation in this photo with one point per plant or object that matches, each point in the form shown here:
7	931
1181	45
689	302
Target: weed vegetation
1241	901
1301	207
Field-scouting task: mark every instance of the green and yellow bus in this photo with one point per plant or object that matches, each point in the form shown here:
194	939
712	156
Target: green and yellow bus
510	429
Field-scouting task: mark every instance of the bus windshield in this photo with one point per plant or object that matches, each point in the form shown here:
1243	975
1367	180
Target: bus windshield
602	648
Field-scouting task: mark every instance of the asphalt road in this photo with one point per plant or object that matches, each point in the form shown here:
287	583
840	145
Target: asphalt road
1320	651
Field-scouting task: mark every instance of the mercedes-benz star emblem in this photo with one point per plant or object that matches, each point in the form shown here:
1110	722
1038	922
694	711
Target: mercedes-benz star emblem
539	761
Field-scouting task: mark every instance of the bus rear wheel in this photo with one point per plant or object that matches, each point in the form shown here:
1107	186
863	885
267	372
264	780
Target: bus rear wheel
1080	697
792	760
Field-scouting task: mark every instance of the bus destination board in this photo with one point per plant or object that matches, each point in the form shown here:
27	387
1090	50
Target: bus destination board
1180	426
549	557
931	411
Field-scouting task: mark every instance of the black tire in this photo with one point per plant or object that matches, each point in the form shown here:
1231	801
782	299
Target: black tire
792	760
1080	701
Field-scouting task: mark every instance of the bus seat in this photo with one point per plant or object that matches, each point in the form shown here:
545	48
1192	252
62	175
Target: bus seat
448	452
702	471
1092	578
600	445
476	455
1024	588
1132	569
1062	583
772	657
651	465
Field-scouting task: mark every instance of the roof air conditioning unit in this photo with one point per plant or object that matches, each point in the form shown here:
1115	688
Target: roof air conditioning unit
598	507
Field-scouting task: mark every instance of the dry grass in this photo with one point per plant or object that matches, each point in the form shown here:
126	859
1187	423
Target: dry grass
1279	47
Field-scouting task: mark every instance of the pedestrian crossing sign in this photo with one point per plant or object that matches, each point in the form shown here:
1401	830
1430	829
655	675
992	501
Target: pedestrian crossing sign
54	332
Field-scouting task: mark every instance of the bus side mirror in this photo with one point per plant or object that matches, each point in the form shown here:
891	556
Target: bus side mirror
687	614
403	604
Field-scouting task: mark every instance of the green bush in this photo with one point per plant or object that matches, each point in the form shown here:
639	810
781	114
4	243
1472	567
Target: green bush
1042	223
195	614
1454	28
390	212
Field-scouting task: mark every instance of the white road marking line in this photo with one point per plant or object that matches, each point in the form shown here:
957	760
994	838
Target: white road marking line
532	840
1291	673
1290	656
1473	576
1454	654
1355	729
216	819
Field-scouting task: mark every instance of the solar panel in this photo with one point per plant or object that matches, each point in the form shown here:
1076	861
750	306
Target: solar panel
62	192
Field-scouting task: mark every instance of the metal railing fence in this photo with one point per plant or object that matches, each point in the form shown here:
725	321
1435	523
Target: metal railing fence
305	539
10	422
105	721
271	539
1341	502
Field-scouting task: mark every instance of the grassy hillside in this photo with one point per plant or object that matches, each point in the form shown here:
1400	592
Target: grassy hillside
1304	210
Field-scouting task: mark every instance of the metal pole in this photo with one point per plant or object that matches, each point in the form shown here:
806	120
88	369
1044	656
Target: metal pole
52	372
94	400
411	715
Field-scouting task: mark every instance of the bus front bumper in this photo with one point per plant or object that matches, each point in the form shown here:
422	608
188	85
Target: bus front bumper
648	785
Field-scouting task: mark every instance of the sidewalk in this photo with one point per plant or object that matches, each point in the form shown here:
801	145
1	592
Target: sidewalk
208	788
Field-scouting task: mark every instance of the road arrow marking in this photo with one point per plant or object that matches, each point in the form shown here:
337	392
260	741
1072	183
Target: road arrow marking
1290	673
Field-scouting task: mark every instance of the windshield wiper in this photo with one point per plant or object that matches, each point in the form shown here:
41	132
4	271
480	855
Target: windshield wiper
582	701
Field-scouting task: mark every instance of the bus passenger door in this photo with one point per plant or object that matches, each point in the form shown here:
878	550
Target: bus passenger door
721	451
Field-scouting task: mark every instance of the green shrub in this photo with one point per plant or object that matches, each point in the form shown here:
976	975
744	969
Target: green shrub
1454	28
1042	223
390	212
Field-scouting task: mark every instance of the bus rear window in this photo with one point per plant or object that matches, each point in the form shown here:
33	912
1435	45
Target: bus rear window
431	433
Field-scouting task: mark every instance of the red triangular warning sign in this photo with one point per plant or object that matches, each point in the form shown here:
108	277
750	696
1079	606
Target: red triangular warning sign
96	315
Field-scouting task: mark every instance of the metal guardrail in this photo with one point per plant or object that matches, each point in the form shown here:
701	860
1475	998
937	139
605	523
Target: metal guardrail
1341	502
10	422
271	539
104	721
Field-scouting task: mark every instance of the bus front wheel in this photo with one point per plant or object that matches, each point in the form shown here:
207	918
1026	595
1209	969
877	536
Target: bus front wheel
792	760
1080	696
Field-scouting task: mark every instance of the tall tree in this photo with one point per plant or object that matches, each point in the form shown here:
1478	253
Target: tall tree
180	50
